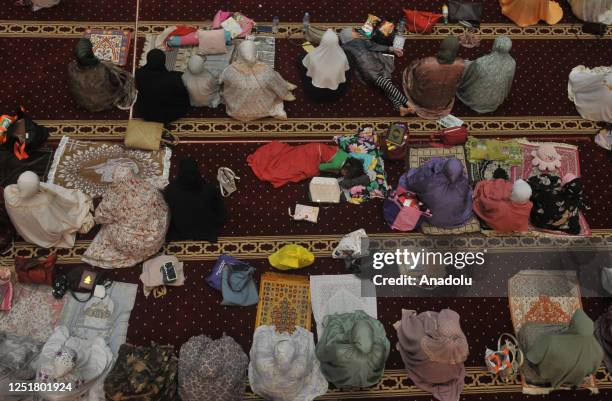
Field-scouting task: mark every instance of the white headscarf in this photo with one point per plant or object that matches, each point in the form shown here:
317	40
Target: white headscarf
46	214
591	91
327	63
203	88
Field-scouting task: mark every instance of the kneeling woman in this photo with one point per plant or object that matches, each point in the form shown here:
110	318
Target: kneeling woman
325	70
503	206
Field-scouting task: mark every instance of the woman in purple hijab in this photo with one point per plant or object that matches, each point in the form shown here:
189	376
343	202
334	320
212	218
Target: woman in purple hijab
442	185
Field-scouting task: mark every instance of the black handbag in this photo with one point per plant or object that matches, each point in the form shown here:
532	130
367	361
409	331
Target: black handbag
81	279
595	28
24	135
460	10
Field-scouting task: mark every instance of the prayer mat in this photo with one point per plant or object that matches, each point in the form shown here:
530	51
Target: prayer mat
34	314
110	44
488	170
544	296
107	318
570	161
472	226
284	302
340	293
419	156
89	166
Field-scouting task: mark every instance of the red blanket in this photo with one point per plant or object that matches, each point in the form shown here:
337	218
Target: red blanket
281	163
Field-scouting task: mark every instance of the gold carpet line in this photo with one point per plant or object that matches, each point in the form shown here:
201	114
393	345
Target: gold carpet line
204	128
394	384
260	247
72	29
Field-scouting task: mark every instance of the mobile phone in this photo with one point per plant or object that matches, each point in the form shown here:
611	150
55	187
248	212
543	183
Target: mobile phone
168	272
264	28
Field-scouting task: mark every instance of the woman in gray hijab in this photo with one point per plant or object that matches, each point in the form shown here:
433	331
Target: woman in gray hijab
486	82
99	85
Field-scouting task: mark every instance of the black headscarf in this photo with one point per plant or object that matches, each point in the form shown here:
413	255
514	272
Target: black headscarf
83	52
162	95
196	208
448	50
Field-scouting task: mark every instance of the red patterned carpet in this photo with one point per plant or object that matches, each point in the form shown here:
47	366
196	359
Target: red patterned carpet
34	74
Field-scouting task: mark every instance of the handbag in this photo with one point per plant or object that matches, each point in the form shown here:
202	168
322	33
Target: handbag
453	136
238	286
460	10
402	212
227	181
81	279
420	22
353	245
147	135
595	28
23	135
307	213
35	270
324	190
216	275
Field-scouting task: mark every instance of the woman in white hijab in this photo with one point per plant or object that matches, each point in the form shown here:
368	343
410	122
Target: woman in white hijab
46	214
325	70
202	86
252	89
591	91
284	367
593	10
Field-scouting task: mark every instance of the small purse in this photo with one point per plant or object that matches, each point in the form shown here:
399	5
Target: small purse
307	213
420	22
227	181
35	270
216	275
78	279
459	10
238	286
454	136
147	135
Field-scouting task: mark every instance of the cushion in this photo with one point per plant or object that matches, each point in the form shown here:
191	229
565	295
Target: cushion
211	42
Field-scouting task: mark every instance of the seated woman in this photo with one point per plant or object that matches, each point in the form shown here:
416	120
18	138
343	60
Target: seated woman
486	81
252	89
560	354
46	214
134	218
99	85
433	348
78	363
502	205
162	96
352	349
557	203
284	367
374	67
593	10
591	91
203	87
529	12
325	70
197	211
442	185
431	83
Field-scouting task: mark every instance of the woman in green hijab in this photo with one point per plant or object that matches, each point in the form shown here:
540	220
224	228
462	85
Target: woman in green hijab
486	82
352	349
561	354
99	85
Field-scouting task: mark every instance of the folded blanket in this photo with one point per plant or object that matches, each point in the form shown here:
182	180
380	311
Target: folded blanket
281	163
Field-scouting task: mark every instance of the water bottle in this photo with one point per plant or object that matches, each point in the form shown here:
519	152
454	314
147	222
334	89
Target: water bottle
306	20
445	13
275	22
401	28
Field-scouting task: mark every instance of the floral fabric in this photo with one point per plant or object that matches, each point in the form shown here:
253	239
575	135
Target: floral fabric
359	145
134	218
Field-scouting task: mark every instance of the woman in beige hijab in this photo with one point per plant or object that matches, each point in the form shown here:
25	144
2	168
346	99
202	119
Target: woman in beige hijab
593	10
46	214
202	86
529	12
252	89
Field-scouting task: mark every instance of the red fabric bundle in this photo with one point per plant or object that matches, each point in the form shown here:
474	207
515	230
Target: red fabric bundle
420	21
281	163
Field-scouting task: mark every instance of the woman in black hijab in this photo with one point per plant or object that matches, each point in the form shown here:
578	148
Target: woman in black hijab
162	95
196	207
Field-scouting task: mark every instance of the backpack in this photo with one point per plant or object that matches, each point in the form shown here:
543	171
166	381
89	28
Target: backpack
402	211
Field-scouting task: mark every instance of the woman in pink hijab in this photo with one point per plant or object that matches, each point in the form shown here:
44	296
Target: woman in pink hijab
433	348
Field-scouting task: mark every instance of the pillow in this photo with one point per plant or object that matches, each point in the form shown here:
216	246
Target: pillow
211	42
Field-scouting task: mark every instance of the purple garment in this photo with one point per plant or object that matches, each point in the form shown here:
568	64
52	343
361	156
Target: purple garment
442	185
603	332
